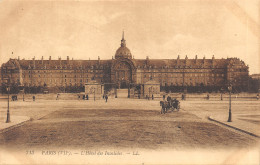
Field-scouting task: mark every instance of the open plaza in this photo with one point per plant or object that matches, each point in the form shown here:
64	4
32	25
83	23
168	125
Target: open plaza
129	123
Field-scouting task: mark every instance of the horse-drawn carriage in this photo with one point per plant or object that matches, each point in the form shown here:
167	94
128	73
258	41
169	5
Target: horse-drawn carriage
170	104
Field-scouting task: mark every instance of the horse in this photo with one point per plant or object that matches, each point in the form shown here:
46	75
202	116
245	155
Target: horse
164	105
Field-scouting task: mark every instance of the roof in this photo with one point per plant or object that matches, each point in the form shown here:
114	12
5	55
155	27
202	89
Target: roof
139	63
192	63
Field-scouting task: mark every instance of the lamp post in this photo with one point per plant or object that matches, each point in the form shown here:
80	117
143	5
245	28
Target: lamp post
229	114
8	113
94	94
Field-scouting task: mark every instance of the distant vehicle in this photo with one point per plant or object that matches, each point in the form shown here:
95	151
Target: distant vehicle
170	104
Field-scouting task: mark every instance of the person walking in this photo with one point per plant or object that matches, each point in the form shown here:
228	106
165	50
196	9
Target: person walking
106	97
33	98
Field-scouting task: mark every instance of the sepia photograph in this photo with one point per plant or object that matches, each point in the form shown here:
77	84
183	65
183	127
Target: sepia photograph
130	82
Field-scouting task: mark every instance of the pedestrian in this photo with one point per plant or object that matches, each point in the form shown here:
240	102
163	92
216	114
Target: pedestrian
182	97
257	97
221	97
103	96
163	97
87	97
57	98
169	98
83	97
33	98
152	96
106	98
207	96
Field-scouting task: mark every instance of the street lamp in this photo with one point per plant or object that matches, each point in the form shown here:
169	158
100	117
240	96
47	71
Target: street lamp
229	114
94	94
8	113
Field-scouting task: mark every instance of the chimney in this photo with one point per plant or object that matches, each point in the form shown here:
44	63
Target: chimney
68	59
213	60
98	60
18	58
178	60
34	62
42	59
196	59
49	59
147	60
186	59
60	60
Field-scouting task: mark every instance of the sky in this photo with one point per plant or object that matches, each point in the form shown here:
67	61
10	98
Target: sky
157	29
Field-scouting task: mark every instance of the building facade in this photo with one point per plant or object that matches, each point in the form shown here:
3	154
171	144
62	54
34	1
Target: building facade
124	71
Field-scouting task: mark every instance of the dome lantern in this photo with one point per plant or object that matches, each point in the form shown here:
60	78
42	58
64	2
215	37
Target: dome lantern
123	51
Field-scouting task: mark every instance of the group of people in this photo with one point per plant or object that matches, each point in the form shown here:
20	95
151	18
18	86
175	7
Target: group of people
147	97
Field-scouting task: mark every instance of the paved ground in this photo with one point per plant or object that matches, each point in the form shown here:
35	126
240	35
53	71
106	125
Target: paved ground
245	114
124	123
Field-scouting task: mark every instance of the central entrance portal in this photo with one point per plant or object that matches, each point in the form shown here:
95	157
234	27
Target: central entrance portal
124	84
123	75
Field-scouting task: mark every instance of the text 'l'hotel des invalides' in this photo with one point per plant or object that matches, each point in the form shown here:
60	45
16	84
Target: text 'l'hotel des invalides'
124	71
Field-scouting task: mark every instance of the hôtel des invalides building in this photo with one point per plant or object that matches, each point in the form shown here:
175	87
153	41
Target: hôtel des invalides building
124	71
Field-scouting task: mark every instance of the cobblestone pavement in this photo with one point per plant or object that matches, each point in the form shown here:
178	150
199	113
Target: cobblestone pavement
120	123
